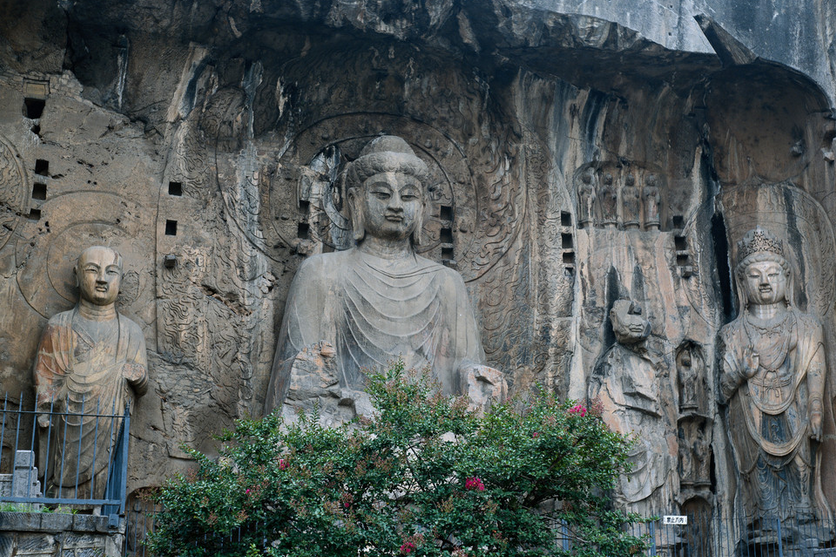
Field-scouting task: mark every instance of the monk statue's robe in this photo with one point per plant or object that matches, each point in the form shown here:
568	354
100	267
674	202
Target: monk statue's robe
374	310
87	367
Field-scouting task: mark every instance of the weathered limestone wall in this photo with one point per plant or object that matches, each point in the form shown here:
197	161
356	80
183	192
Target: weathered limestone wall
204	141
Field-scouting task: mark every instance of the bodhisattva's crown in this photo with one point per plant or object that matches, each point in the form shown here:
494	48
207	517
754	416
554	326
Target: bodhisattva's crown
759	241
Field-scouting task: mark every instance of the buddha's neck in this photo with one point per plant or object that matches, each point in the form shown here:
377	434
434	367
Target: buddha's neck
387	249
767	312
93	312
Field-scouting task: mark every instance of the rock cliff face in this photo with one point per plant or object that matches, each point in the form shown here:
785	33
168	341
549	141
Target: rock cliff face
581	153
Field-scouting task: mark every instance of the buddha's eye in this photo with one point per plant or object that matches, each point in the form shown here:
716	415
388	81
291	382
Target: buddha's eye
381	194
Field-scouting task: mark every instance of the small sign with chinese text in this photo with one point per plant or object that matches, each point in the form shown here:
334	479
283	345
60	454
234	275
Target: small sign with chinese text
675	519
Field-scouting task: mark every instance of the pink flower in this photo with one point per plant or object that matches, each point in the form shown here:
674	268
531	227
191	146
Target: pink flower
474	483
247	492
407	548
282	464
536	434
578	409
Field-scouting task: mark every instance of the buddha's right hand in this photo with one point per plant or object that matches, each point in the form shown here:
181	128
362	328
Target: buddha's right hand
751	362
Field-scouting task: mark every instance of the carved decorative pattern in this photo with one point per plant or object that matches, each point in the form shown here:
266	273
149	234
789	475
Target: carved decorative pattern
301	185
14	190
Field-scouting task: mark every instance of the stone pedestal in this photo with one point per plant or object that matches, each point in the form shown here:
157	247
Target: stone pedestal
58	535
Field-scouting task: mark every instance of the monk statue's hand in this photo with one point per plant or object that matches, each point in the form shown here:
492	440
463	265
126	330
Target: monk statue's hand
815	420
751	362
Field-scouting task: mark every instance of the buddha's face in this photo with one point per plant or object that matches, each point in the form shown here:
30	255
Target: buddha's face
99	275
392	204
765	282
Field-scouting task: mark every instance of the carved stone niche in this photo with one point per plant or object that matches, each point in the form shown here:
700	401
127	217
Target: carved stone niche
690	368
695	454
626	196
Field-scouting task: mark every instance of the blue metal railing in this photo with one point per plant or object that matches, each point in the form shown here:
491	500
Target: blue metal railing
83	454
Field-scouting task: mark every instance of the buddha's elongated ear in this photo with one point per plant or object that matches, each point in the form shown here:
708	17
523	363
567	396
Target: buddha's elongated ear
358	218
419	226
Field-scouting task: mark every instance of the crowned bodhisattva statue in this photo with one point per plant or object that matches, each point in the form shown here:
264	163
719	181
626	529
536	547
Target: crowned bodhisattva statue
378	301
773	377
90	360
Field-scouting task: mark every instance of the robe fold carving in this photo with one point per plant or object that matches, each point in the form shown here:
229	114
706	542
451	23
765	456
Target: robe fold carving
86	367
373	310
769	413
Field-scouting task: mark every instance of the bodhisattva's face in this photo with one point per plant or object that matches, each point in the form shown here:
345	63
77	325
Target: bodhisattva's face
765	283
392	204
99	276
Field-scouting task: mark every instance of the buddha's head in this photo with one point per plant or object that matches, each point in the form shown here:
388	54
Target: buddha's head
98	273
762	272
385	191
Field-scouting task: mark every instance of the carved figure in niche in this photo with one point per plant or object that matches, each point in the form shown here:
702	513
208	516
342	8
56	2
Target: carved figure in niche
365	306
625	384
773	376
652	200
686	461
608	198
630	203
702	456
586	199
691	368
89	357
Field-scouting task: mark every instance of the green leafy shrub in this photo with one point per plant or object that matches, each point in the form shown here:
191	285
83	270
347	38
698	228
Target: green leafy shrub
426	477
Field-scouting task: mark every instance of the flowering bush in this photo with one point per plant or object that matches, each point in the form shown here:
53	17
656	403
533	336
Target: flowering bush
426	477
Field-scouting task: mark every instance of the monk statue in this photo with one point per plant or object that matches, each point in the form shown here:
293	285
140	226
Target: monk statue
91	360
364	307
625	383
773	377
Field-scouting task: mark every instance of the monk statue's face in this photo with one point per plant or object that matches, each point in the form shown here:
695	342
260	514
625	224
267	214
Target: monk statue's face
99	274
765	282
392	204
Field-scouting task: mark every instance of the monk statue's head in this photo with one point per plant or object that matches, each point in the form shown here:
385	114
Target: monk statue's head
98	274
762	272
628	323
385	191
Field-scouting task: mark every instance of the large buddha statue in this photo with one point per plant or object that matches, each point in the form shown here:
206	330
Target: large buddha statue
378	301
91	360
773	377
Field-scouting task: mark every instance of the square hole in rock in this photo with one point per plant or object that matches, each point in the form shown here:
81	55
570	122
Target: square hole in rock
568	257
33	108
446	253
39	191
565	218
682	260
566	241
171	228
446	236
34	214
42	167
303	231
680	243
446	212
175	189
678	221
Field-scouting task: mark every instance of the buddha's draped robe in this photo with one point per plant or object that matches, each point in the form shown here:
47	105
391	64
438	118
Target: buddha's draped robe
374	310
90	366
